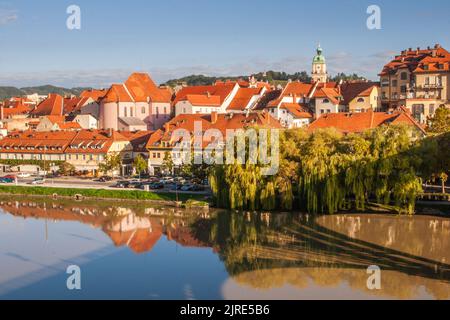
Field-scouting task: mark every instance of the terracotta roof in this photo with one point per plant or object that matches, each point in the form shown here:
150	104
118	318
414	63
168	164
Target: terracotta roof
139	87
360	122
351	90
414	60
330	93
142	87
138	139
243	98
83	141
16	108
94	94
53	105
222	123
203	100
222	90
299	111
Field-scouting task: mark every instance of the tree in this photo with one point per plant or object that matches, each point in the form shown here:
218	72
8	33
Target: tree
66	169
444	178
168	164
112	162
440	123
140	165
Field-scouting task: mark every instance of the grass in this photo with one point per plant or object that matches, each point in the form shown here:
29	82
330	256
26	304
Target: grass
98	193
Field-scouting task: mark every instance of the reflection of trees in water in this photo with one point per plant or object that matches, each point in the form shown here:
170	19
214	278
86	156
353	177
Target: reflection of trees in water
253	245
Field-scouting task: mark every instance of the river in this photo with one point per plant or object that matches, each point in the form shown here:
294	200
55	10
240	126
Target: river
138	251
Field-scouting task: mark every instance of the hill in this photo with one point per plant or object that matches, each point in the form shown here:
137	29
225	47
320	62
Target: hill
8	92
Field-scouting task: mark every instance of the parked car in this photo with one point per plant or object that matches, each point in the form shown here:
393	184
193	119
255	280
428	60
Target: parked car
122	184
156	186
10	177
23	175
105	179
38	181
7	180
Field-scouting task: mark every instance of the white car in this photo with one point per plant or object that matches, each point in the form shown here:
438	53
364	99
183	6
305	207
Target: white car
23	175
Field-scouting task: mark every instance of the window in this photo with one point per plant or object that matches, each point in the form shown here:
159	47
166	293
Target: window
404	76
143	110
361	100
432	109
131	112
326	101
403	89
394	83
125	112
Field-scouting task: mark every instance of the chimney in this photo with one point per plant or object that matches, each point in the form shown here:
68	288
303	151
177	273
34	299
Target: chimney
110	133
167	126
214	117
437	46
2	113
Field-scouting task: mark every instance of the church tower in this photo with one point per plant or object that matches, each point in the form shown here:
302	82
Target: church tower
319	67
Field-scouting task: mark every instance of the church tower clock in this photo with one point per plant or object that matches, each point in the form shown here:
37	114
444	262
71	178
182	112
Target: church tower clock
319	67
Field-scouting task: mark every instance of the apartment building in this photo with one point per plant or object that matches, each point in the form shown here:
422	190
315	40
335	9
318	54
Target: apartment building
85	149
418	79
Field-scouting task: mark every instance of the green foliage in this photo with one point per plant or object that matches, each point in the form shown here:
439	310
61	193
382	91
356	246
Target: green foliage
97	193
111	163
440	123
168	164
139	164
325	172
66	169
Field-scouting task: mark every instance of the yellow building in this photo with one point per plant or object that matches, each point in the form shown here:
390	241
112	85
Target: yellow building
417	79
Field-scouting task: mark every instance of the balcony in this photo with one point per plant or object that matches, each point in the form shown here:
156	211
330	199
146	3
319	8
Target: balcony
431	86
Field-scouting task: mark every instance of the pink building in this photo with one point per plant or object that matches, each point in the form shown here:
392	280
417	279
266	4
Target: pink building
138	101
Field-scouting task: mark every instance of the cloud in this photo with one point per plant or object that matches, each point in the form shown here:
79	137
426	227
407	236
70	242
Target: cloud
7	16
367	66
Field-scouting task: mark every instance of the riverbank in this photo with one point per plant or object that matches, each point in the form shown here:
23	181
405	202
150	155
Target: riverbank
166	198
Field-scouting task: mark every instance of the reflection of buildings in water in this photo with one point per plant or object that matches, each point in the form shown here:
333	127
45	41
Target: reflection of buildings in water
122	225
395	285
138	233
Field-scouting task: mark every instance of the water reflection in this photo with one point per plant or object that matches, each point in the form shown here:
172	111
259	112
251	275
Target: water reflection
262	255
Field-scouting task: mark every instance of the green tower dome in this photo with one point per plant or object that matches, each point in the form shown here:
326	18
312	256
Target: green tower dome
319	58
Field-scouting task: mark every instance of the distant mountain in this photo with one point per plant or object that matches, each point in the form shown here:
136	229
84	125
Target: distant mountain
8	92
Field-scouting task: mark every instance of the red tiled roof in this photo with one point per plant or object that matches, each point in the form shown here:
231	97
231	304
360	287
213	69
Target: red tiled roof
203	100
299	111
142	88
414	60
351	90
53	105
83	141
330	93
222	90
360	122
94	94
243	97
222	123
139	87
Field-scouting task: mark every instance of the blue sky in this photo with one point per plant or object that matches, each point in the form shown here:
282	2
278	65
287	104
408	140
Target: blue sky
173	38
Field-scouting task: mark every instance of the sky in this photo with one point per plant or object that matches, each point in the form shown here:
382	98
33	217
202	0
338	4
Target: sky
175	38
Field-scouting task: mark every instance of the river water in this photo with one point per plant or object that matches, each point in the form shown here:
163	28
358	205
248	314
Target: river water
136	251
